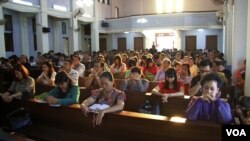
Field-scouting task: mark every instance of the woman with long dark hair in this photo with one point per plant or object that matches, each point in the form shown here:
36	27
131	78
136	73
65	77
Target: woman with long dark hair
118	65
65	92
47	77
170	87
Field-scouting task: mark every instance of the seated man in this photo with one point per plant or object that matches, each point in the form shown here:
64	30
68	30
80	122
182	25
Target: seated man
66	93
209	106
94	78
135	83
204	68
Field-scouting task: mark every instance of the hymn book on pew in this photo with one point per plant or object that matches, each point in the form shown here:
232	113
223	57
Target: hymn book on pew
43	101
97	107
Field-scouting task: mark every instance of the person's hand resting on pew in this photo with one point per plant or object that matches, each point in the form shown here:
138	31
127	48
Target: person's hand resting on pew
170	87
108	99
51	100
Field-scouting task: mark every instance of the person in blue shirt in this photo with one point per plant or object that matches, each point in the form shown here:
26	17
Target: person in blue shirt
209	106
65	92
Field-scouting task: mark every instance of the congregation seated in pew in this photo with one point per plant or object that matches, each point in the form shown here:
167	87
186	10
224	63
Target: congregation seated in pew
47	77
106	95
135	83
209	106
170	87
65	92
23	86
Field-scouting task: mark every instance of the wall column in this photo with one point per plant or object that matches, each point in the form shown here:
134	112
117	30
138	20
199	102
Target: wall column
247	78
95	29
42	21
228	32
239	36
57	47
24	38
2	41
73	32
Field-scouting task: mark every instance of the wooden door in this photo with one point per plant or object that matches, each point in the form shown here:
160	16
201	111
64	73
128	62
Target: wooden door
190	43
211	42
103	44
122	44
138	43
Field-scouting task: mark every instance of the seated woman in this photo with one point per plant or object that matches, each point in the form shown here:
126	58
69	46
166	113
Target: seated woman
150	69
23	86
209	106
170	87
65	93
105	95
118	68
94	78
135	83
47	77
160	75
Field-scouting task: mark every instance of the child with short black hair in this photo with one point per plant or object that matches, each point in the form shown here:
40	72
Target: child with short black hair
209	106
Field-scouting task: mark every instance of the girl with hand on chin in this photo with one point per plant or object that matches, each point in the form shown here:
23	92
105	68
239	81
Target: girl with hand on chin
108	95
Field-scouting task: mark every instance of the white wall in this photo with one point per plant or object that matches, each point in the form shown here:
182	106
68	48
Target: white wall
105	11
201	37
119	4
129	39
239	34
133	7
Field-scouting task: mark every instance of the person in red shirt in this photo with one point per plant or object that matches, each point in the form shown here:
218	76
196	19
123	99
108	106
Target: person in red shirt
170	87
150	70
239	82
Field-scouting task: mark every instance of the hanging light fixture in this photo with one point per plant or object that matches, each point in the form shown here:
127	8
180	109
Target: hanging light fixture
142	20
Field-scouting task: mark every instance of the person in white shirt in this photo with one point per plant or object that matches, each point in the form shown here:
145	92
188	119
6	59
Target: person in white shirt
48	74
77	65
73	74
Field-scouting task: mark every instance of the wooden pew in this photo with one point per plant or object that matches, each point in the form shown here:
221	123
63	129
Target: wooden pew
82	81
121	126
175	105
12	137
42	88
35	72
